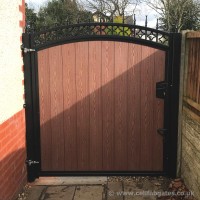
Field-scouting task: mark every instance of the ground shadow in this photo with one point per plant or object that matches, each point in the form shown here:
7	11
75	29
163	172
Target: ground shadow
12	174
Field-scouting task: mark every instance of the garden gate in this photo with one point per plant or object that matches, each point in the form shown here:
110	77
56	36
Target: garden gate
101	99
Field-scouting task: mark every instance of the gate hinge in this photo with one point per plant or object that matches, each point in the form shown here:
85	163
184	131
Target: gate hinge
161	89
31	162
26	50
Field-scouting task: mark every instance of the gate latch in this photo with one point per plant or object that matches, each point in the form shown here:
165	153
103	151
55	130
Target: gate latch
161	89
31	162
26	50
162	131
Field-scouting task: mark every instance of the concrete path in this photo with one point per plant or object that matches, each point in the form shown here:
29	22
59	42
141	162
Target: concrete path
95	188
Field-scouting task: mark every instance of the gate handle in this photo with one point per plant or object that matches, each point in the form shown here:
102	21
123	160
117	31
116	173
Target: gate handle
162	131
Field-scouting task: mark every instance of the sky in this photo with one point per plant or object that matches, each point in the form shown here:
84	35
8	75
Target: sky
141	12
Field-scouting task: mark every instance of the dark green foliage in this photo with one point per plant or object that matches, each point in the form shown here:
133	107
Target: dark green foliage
58	12
180	15
31	17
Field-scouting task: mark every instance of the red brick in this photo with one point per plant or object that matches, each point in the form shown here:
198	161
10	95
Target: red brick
5	124
20	165
6	129
21	126
20	157
5	139
21	139
5	176
22	10
22	7
22	23
7	162
12	156
11	144
19	186
3	153
19	175
7	190
21	142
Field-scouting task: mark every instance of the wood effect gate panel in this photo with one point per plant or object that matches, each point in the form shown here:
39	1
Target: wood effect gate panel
108	120
134	102
70	127
98	107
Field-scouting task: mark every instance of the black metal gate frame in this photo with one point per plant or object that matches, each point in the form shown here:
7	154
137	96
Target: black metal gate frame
35	41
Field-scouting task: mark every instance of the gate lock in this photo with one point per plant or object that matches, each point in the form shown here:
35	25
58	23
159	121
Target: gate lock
161	89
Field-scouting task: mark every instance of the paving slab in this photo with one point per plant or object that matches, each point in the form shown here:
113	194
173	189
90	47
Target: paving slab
89	193
114	188
71	180
34	193
59	192
130	189
140	190
95	188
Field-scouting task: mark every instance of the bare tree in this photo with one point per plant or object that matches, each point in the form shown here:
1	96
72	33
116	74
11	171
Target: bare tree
177	15
110	8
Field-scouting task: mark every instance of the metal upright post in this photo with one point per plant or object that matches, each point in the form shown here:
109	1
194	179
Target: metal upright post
174	77
30	141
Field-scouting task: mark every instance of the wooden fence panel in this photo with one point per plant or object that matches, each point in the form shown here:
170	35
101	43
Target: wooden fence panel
193	76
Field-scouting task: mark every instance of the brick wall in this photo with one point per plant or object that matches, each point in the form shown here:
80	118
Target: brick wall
12	115
12	156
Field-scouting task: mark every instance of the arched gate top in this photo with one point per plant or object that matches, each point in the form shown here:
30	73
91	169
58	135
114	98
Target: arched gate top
100	31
